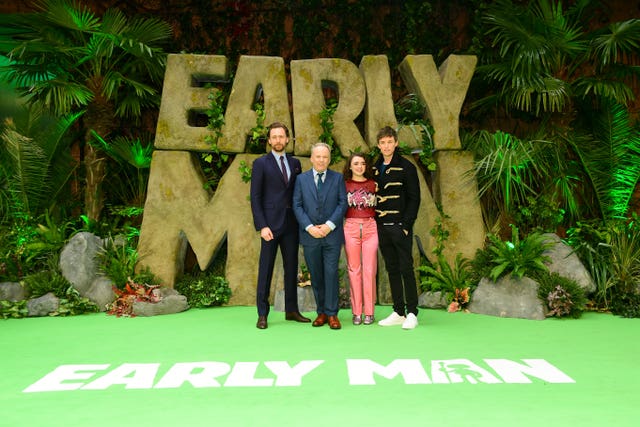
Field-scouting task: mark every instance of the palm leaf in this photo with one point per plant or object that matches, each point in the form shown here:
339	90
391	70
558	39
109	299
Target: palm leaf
611	158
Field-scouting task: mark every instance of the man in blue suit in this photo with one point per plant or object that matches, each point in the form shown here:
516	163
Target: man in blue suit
319	203
273	178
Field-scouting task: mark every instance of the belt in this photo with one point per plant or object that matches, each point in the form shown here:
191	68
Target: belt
391	223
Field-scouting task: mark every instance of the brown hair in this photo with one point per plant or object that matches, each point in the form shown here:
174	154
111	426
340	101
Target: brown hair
387	131
276	125
346	172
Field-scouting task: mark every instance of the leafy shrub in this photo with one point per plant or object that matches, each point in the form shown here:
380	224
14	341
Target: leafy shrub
43	282
443	277
117	261
626	305
563	296
10	309
72	304
204	290
518	257
455	282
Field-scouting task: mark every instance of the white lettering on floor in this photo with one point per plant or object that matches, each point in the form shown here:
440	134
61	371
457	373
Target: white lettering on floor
210	374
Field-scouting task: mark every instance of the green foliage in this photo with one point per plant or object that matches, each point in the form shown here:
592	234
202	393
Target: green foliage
518	257
130	170
66	58
27	246
543	58
411	113
539	214
15	310
446	278
118	259
72	304
507	169
326	122
43	282
204	290
440	233
608	146
563	296
35	162
626	305
611	253
258	138
216	162
245	171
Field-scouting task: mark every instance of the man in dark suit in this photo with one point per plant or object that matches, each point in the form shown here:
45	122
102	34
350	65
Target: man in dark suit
319	203
273	178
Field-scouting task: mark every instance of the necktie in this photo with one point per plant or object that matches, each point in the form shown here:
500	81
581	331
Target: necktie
284	171
320	174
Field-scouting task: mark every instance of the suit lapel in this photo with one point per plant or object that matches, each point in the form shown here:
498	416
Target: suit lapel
275	165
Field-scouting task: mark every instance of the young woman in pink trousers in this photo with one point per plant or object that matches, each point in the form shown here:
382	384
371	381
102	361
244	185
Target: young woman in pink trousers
361	238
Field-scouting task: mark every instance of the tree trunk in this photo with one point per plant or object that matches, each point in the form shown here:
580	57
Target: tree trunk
95	170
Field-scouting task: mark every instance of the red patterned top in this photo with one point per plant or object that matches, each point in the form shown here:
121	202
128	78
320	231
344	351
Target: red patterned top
361	198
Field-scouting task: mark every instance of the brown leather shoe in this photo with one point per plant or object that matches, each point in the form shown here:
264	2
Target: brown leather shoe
320	320
262	322
334	322
295	315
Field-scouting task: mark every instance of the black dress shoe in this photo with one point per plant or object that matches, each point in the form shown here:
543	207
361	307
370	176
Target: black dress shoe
295	315
262	322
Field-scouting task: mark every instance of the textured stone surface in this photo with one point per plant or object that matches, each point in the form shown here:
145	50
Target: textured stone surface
11	291
458	194
309	101
43	305
78	262
167	305
180	95
508	297
567	264
432	300
442	90
101	292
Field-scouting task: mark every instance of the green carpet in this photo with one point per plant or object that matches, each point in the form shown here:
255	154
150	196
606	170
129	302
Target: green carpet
213	367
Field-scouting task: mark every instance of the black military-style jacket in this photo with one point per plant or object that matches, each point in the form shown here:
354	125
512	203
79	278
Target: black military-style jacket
398	192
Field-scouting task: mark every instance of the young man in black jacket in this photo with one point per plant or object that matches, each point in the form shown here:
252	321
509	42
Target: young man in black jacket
397	209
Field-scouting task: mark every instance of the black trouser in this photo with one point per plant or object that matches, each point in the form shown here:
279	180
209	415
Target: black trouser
396	248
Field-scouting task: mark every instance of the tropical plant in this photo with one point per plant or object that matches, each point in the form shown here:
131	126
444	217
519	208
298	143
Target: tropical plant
517	256
133	158
410	113
508	170
215	162
35	163
562	296
611	253
66	59
118	259
543	58
608	146
326	123
258	138
204	290
445	277
556	76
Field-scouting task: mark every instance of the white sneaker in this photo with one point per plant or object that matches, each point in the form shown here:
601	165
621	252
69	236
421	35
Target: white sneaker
392	320
410	322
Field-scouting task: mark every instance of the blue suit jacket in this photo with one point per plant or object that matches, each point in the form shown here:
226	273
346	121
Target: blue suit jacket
313	208
270	197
